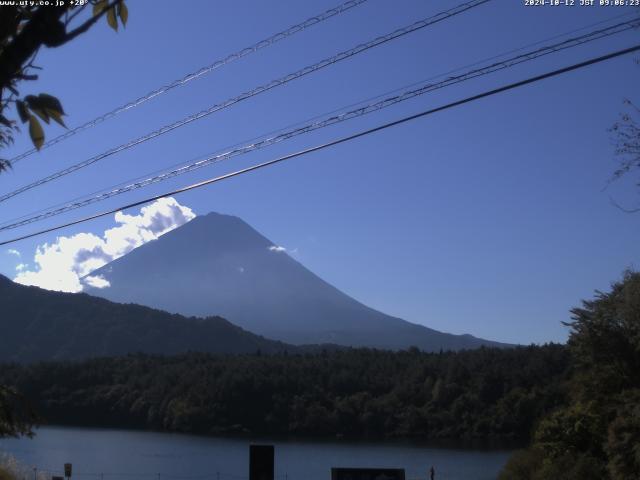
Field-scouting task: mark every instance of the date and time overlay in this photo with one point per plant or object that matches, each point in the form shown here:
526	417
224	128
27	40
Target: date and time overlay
526	3
581	3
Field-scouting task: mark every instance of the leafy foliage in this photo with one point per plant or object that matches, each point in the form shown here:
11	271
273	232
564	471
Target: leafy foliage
484	393
24	29
597	433
12	469
627	136
17	417
626	132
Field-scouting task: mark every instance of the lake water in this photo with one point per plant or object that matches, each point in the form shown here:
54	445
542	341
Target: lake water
99	454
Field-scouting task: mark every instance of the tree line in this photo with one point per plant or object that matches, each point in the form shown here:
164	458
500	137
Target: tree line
577	405
595	433
484	393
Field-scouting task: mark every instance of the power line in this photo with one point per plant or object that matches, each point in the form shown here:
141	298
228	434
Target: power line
338	141
267	42
328	121
256	91
297	124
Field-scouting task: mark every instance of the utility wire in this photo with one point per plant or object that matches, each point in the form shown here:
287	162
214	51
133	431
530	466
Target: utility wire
267	42
256	91
327	121
338	141
317	117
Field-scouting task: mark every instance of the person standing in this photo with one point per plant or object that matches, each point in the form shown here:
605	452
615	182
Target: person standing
432	473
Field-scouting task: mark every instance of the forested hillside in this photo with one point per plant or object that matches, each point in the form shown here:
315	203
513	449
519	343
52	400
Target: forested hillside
595	435
219	265
484	393
38	324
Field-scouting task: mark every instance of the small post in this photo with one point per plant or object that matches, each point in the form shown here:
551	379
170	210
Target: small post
261	462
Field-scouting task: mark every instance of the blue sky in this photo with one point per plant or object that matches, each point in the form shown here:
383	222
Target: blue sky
490	219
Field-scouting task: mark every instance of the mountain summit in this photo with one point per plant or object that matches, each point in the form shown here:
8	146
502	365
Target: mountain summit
219	265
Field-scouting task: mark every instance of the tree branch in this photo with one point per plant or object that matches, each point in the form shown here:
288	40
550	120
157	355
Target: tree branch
625	210
44	28
40	30
89	23
75	14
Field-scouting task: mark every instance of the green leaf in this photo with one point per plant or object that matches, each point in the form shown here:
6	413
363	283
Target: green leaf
42	114
111	19
36	132
31	101
23	112
99	6
50	102
56	116
123	13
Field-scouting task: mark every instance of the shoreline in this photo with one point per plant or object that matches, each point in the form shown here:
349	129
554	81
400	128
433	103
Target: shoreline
476	445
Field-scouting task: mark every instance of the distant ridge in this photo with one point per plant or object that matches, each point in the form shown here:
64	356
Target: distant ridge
38	324
219	265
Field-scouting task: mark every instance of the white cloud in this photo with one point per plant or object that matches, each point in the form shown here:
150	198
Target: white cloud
97	281
21	266
12	251
277	248
61	265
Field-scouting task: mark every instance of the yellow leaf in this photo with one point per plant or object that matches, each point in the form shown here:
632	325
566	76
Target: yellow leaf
99	6
36	132
42	114
56	116
50	103
111	19
123	11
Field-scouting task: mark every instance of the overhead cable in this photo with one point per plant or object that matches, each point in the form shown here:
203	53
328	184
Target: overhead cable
361	110
251	93
267	42
338	141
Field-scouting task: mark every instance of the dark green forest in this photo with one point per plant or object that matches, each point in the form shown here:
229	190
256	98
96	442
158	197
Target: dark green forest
595	434
484	393
576	405
37	324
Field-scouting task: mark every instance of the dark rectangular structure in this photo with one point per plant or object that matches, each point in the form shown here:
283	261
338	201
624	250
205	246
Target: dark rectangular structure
261	462
367	474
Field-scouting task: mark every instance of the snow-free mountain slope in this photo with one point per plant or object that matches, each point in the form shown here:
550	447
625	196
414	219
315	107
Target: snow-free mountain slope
219	265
